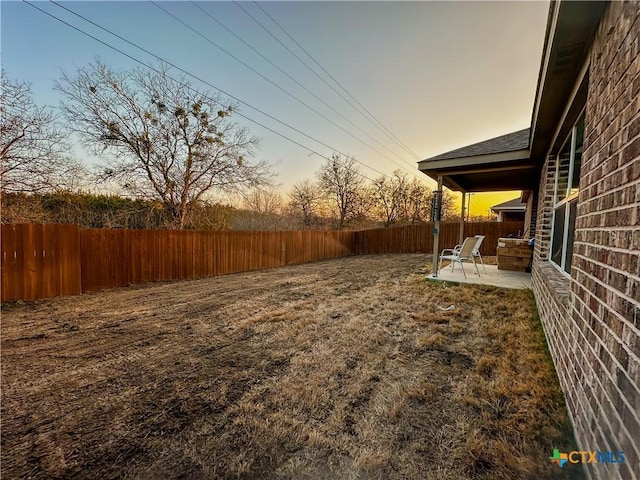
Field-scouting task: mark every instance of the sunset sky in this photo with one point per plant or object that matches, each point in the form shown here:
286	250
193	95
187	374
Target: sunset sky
438	75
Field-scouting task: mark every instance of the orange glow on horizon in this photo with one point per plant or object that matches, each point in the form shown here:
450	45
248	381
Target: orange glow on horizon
481	203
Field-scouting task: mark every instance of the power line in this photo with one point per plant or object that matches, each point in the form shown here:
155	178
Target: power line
202	81
285	73
338	83
384	128
264	77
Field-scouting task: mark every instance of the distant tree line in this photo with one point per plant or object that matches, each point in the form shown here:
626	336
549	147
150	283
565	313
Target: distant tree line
340	197
168	150
106	211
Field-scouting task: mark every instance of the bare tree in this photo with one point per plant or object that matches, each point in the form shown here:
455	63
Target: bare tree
33	149
398	200
417	202
390	196
342	184
264	201
263	210
166	140
304	199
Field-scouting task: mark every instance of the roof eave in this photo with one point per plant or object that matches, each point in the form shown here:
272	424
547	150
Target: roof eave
570	30
456	172
453	164
509	209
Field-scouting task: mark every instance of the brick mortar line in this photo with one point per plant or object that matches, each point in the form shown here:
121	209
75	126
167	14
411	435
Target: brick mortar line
601	364
607	267
617	228
601	195
603	39
611	99
587	429
575	391
613	357
622	319
626	461
595	378
606	395
618	150
570	364
613	209
612	190
609	124
619	131
553	335
603	78
607	247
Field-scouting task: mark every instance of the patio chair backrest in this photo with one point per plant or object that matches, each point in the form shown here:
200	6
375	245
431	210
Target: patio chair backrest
466	250
480	239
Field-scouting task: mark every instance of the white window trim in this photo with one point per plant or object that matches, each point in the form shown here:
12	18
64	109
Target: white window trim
568	198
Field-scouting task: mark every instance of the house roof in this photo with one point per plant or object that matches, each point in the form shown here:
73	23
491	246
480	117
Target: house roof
505	143
485	166
514	161
514	205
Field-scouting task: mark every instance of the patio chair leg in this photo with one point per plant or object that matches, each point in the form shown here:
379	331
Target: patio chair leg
475	265
463	272
482	262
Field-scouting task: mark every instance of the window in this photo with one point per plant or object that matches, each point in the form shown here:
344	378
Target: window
566	197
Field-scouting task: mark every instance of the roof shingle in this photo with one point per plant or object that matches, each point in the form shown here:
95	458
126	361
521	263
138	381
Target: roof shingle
506	143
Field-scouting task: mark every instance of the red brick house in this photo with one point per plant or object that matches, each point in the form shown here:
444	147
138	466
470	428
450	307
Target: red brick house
578	166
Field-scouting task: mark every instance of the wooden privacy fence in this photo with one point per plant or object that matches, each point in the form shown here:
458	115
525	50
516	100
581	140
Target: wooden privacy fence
41	261
110	258
418	238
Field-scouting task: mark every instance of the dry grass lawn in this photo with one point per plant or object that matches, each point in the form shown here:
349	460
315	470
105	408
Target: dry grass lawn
345	369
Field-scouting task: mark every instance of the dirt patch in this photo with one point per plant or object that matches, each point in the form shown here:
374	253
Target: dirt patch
341	369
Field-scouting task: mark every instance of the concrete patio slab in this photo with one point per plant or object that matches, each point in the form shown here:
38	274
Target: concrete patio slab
492	276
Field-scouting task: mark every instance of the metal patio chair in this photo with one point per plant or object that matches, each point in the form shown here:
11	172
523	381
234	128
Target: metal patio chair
465	252
476	251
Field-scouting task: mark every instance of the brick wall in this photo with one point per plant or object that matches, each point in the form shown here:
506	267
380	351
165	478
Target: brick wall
544	211
530	217
592	321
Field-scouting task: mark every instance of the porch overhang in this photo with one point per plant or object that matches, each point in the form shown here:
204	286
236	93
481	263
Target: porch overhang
500	171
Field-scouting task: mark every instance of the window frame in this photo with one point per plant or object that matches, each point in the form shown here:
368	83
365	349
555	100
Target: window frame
570	196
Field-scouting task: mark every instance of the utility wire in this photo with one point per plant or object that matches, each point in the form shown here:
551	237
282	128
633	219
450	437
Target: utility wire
380	124
337	82
285	73
202	81
264	77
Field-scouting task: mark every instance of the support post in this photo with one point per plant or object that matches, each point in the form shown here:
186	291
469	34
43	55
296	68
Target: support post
436	231
461	235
